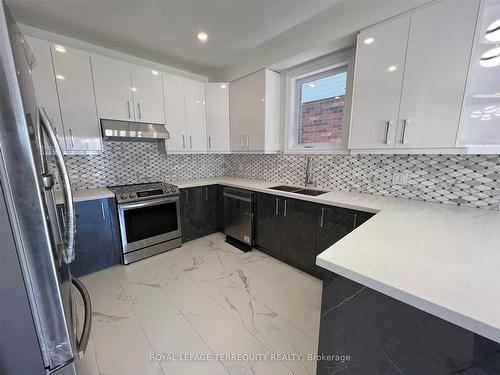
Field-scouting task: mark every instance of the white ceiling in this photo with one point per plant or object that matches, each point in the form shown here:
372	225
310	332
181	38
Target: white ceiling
165	31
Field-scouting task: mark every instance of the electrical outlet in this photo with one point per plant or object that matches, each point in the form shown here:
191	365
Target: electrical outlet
400	178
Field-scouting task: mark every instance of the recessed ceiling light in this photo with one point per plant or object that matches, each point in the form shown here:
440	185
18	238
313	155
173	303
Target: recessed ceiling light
155	72
392	68
490	58
133	89
202	36
60	77
223	86
369	40
497	93
485	117
311	85
59	48
493	32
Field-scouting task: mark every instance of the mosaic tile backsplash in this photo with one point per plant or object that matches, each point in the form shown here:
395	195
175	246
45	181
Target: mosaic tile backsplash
123	163
469	180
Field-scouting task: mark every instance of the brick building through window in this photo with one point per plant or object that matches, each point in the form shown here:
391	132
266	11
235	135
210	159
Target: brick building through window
322	109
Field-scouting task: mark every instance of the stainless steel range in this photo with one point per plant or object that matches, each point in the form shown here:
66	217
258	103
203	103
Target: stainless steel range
149	218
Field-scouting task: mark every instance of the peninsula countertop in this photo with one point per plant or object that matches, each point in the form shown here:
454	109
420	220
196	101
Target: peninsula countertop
440	258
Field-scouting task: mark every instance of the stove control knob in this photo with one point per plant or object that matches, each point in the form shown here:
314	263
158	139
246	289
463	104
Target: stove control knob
131	195
123	196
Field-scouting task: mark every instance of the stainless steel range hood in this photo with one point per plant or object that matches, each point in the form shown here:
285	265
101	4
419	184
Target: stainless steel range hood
113	130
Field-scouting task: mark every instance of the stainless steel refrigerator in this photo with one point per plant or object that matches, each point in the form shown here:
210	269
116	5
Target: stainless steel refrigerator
39	333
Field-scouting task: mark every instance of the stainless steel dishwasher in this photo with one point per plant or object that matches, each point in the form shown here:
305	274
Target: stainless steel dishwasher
238	217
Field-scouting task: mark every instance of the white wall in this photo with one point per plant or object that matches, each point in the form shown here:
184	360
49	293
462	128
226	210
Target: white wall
332	29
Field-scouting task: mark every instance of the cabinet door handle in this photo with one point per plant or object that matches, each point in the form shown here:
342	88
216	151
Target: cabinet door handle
72	138
355	221
387	128
284	210
103	212
206	193
129	111
191	142
187	196
209	142
241	141
183	141
139	110
403	137
276	209
248	141
322	217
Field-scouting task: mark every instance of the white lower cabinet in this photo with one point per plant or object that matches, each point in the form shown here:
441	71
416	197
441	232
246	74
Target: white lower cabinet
217	116
77	101
184	114
44	84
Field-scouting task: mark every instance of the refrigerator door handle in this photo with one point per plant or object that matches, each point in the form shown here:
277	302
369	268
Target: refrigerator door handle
81	344
69	231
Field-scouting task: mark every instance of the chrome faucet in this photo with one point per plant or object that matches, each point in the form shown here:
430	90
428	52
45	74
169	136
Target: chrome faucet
309	180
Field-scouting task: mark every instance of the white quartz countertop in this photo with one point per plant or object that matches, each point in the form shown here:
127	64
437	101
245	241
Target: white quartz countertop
85	195
442	259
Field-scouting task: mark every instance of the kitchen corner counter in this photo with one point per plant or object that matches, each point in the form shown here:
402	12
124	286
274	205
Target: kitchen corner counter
85	195
439	258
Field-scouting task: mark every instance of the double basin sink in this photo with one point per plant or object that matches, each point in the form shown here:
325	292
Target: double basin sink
298	190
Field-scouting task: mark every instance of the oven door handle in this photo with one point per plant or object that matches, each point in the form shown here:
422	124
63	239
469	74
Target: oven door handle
153	202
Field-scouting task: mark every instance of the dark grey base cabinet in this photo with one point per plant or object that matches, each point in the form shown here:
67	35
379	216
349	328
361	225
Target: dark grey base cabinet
382	335
286	229
199	211
295	231
97	243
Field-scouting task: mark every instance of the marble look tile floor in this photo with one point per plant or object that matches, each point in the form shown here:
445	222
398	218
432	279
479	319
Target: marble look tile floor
205	298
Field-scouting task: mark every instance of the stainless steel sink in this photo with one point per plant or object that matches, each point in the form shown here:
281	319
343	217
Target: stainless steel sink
298	190
312	192
286	188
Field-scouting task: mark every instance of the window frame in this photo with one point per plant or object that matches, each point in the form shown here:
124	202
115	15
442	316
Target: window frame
342	61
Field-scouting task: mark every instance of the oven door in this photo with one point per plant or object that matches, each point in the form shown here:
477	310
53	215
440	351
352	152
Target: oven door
147	223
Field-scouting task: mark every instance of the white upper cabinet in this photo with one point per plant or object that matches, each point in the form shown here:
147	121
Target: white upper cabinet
194	97
175	112
147	91
45	85
76	97
217	116
113	89
378	76
185	114
413	102
439	51
254	112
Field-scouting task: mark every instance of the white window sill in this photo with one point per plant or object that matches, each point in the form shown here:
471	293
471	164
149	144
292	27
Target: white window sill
316	151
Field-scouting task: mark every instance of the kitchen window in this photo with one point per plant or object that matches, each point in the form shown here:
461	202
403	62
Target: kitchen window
317	105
